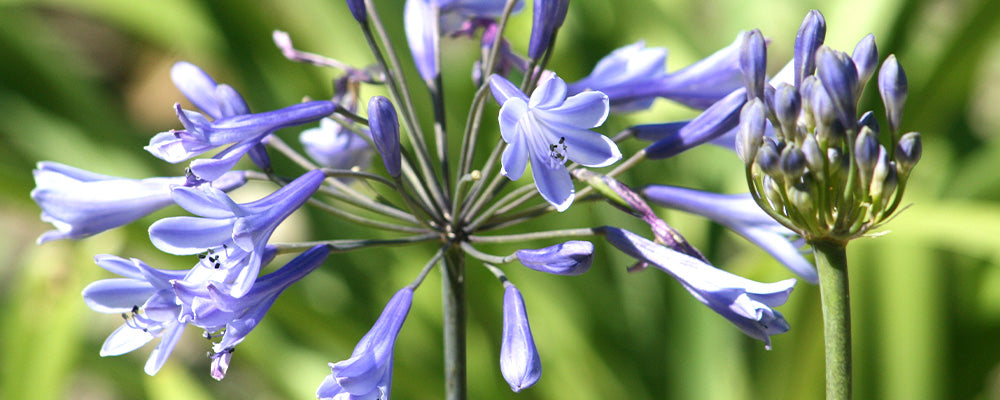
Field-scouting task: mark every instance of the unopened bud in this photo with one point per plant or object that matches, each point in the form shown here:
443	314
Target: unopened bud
787	105
865	58
753	63
800	197
793	162
893	88
385	132
768	159
840	79
810	36
357	8
753	122
571	258
815	159
908	152
866	154
868	119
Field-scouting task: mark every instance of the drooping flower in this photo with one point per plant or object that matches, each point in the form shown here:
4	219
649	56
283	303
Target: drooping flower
146	301
746	303
207	304
570	258
633	76
519	360
243	132
239	230
742	215
332	146
368	373
82	203
548	129
425	21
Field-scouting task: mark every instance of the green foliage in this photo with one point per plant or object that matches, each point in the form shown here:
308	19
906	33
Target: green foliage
86	83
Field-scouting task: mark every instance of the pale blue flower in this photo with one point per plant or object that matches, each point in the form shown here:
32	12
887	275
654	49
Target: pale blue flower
746	303
548	129
368	373
208	304
82	203
238	230
332	146
741	214
519	361
146	300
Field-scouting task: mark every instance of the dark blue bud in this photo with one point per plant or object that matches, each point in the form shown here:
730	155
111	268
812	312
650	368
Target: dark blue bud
868	119
892	86
787	105
571	258
824	113
385	132
753	122
908	152
768	158
840	79
865	58
793	162
548	17
753	63
866	153
810	36
357	8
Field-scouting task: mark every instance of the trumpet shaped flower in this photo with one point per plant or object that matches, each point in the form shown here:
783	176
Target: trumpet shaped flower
241	231
746	303
548	129
368	373
82	203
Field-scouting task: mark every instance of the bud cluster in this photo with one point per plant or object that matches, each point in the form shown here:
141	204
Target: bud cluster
811	162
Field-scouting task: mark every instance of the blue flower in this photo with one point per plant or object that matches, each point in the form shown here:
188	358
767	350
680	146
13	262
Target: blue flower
571	258
368	373
207	304
741	214
425	21
548	129
519	361
240	231
746	303
333	146
147	302
547	18
633	76
82	203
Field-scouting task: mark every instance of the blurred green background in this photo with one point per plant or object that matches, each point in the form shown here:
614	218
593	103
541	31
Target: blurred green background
86	83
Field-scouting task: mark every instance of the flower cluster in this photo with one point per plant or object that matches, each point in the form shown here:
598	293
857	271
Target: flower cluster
455	201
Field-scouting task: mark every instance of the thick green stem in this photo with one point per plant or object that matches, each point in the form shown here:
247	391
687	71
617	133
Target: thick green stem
831	262
453	294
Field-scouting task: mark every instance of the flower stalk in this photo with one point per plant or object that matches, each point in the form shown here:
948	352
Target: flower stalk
831	262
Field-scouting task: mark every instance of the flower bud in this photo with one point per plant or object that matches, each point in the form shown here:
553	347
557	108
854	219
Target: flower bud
753	122
866	154
571	258
385	132
753	63
882	170
548	17
772	191
519	362
815	159
840	79
357	8
865	58
787	104
768	158
868	119
823	110
893	88
800	197
908	152
793	162
810	36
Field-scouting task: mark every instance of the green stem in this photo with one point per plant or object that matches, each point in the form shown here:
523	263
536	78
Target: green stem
831	262
453	301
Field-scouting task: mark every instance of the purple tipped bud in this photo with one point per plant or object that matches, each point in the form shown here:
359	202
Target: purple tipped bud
866	153
868	119
810	37
753	122
548	17
519	361
768	159
793	162
357	8
840	79
865	58
892	86
787	105
823	110
385	132
571	258
908	152
753	63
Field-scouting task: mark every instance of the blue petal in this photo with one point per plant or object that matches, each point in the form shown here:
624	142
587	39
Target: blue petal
549	94
197	86
714	122
124	340
552	180
205	201
162	351
503	90
590	148
190	235
511	115
585	110
116	295
514	160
